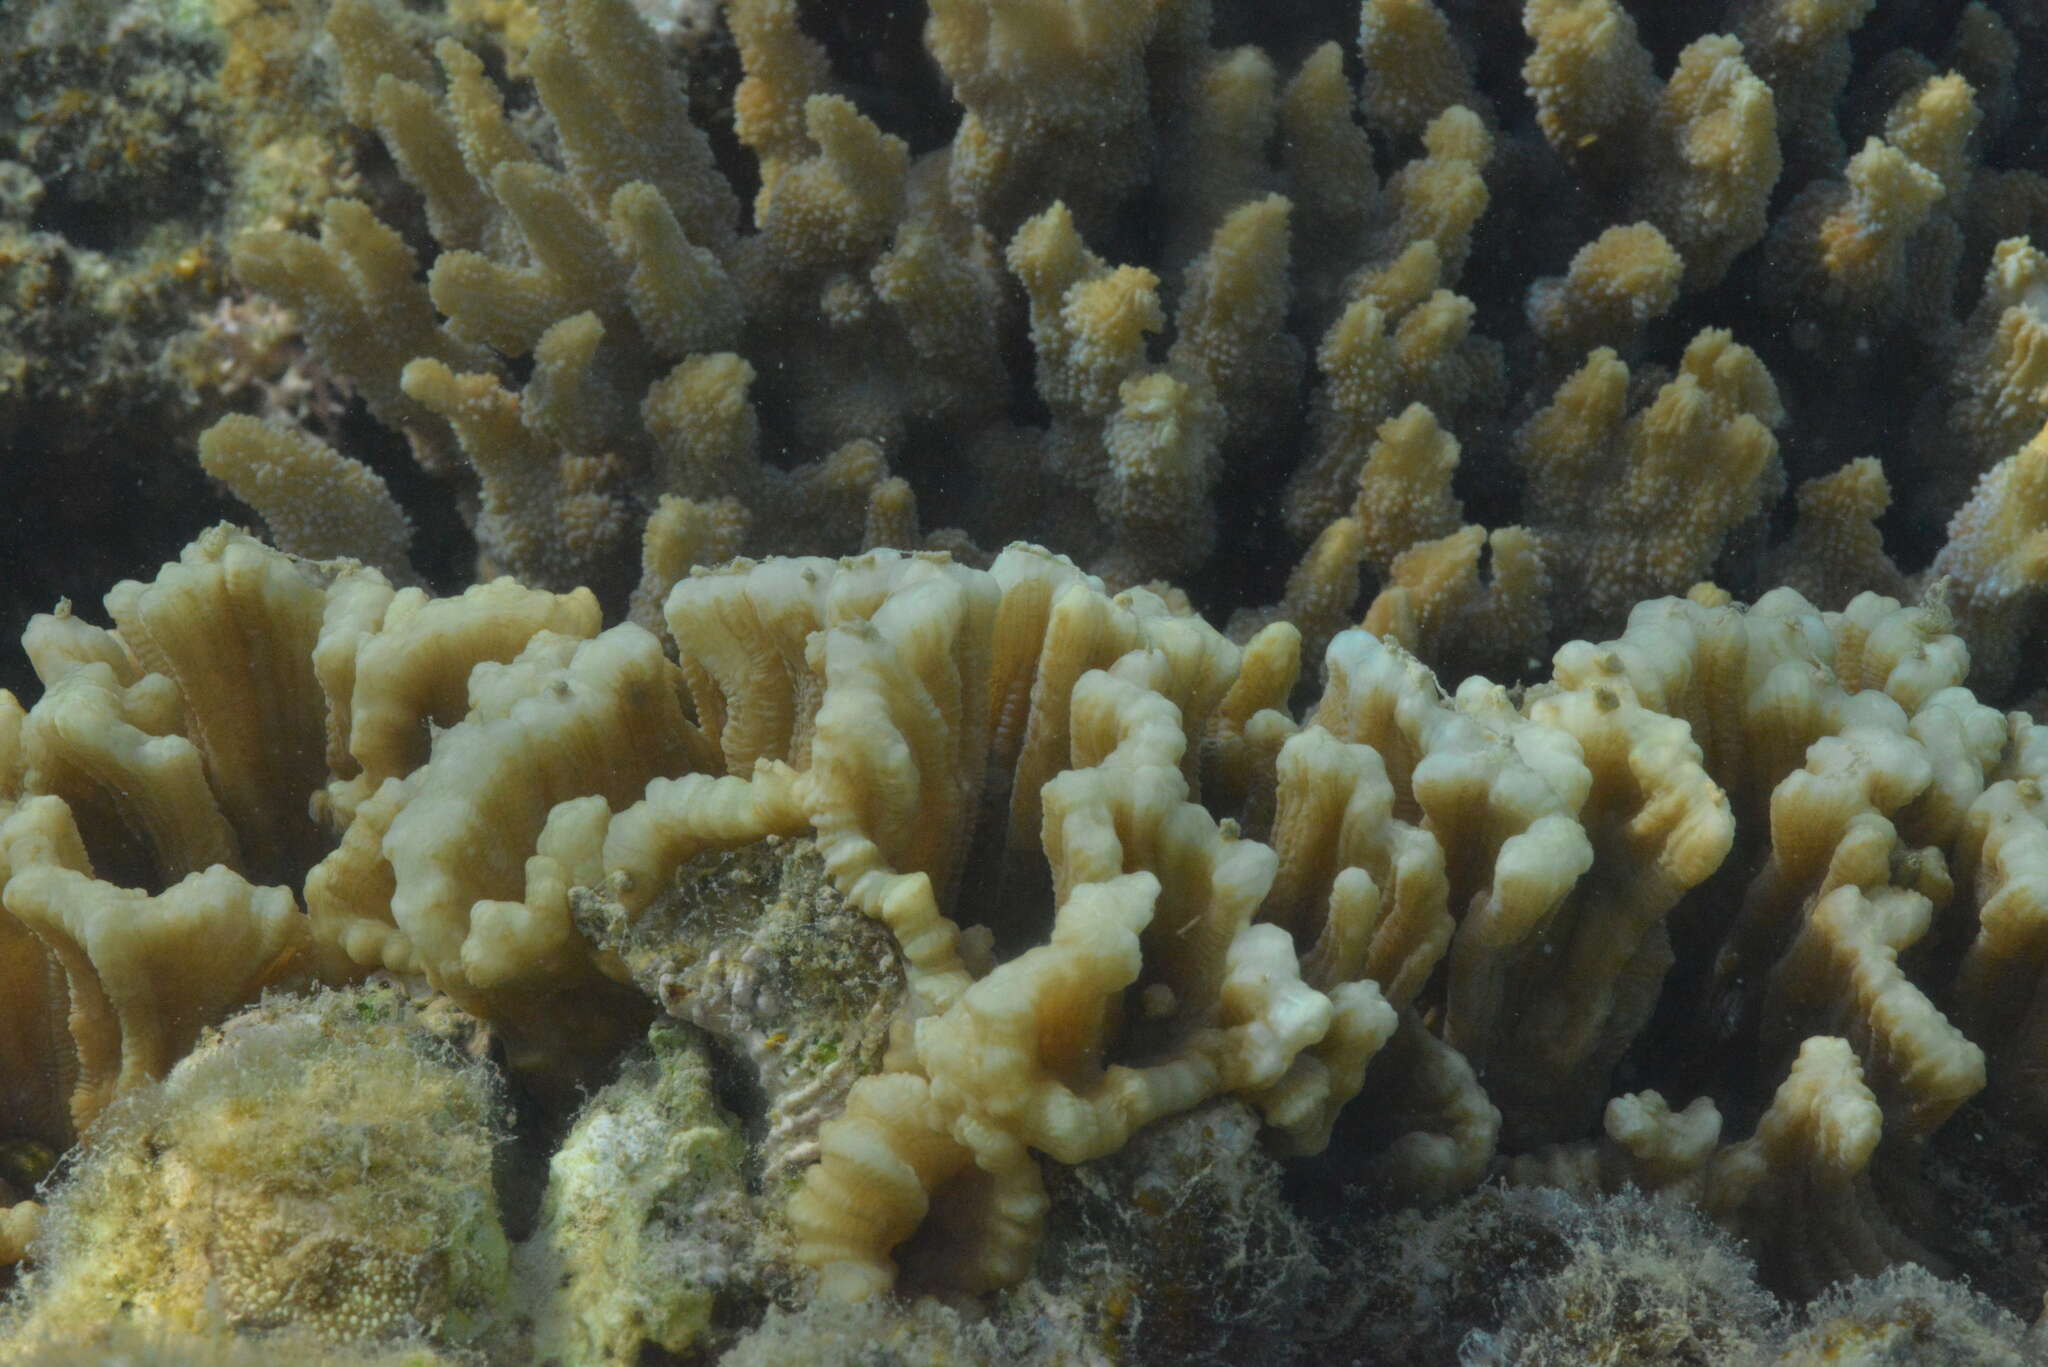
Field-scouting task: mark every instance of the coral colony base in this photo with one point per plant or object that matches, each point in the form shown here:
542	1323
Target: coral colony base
1564	878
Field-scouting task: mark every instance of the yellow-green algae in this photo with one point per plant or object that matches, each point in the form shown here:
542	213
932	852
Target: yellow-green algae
320	1167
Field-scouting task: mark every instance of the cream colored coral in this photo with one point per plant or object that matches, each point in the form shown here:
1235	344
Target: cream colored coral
1615	520
1023	1044
1643	1142
1840	894
1431	1128
1800	1186
145	974
1616	286
1847	952
1287	1013
631	125
1363	893
886	1164
630	128
682	534
171	766
1467	909
397	666
1836	551
2002	874
19	1224
38	1061
370	46
1747	685
348	894
1996	560
1413	68
1502	796
313	500
232	625
134	783
891	683
899	752
784	68
564	719
1015	1062
1587	977
747	626
1054	102
1799	1189
701	419
1434	602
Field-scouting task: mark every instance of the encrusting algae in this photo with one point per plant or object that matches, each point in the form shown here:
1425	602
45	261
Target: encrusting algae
319	1168
1587	901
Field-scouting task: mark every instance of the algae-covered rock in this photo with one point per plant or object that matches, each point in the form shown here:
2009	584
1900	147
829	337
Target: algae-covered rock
888	1332
319	1169
647	1238
1907	1314
796	989
1180	1249
132	1345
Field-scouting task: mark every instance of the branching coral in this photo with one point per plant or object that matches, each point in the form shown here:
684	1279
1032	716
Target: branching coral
853	320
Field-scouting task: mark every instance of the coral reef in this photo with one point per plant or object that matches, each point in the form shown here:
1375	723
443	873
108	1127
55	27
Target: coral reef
1558	879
